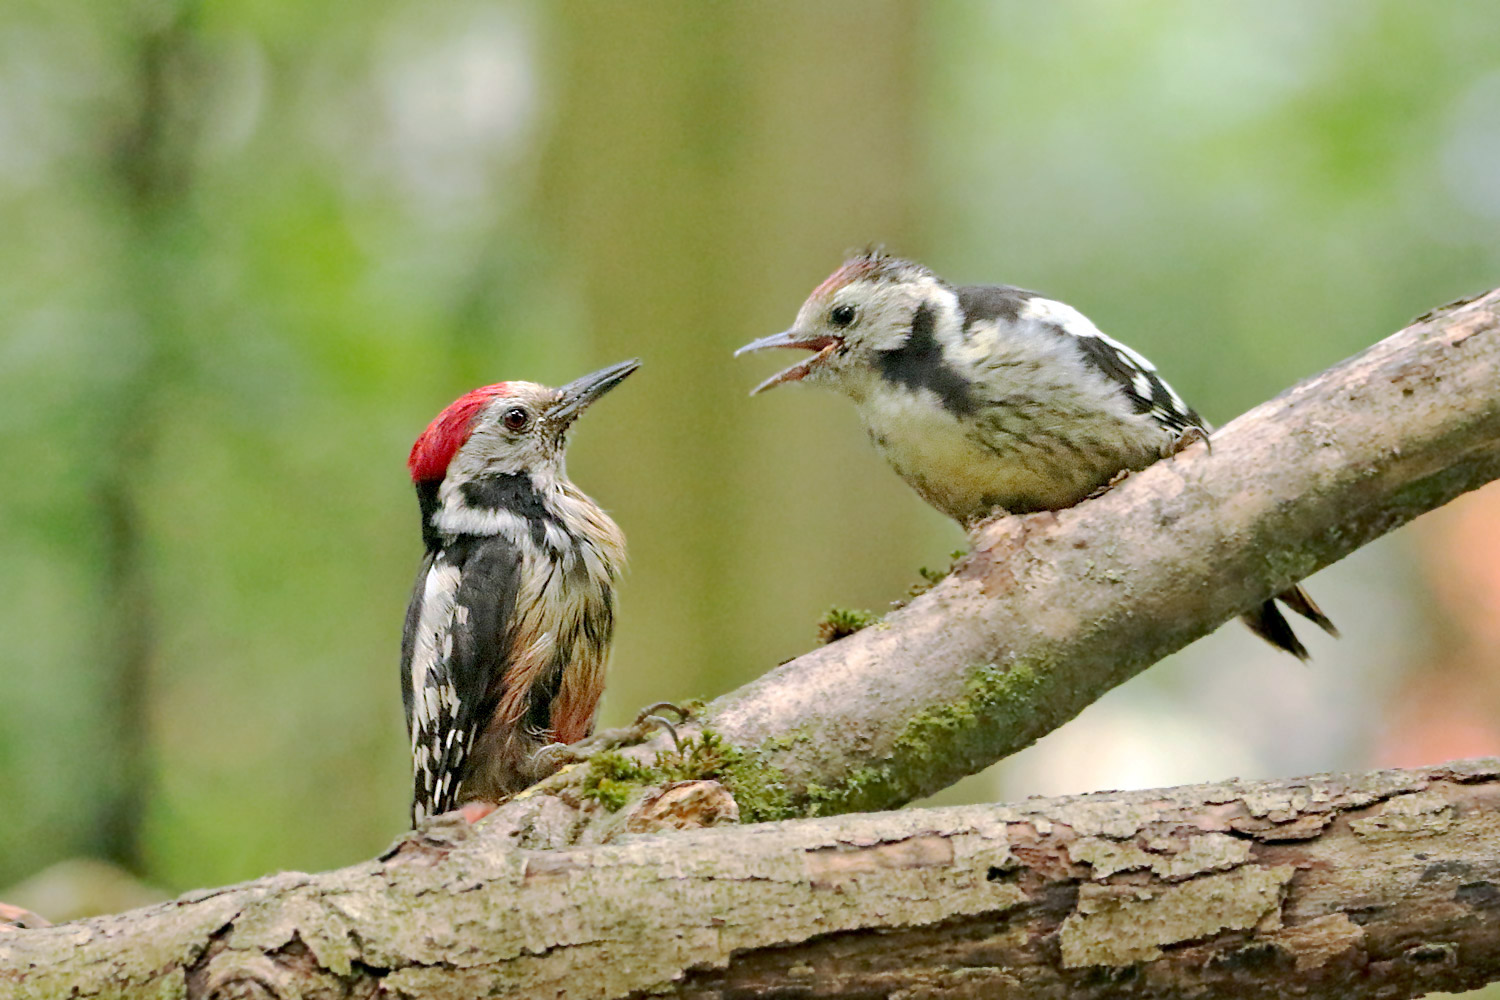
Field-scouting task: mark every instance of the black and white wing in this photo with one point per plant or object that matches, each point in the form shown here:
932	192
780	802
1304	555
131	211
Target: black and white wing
1149	394
1132	371
453	653
1125	367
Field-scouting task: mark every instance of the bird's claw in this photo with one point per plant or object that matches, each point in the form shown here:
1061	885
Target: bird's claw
1174	446
1182	442
649	714
548	760
15	918
977	528
1115	480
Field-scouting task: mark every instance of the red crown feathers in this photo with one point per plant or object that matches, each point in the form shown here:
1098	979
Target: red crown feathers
448	431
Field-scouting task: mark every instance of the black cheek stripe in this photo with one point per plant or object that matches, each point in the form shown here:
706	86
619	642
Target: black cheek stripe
919	364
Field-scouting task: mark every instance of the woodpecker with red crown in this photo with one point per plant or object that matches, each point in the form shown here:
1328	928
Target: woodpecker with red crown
508	630
989	398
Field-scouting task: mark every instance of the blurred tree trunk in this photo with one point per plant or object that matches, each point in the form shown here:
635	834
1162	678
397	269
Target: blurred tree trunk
150	173
662	126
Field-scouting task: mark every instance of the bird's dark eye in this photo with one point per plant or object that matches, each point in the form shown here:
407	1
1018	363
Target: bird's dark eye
516	418
841	315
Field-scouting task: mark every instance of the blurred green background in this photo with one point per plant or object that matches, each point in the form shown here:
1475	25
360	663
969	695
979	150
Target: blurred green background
250	247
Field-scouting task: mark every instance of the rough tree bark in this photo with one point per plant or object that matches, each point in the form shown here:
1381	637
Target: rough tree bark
1383	885
1387	884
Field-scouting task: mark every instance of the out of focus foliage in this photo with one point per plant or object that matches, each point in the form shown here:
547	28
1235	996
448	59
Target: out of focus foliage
251	247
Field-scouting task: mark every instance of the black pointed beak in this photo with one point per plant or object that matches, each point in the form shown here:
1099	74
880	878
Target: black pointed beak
823	344
577	395
786	338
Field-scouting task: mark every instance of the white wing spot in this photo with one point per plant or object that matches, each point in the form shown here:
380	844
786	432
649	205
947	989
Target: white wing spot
434	622
1076	323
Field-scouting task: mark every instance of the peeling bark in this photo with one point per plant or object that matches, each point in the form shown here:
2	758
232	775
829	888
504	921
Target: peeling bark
1345	886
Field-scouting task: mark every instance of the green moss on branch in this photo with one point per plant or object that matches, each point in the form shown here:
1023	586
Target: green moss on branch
841	622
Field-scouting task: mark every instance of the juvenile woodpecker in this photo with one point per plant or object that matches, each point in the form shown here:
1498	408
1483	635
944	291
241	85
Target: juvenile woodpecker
991	398
511	617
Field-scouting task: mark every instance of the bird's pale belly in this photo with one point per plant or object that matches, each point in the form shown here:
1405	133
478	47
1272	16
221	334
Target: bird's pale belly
968	478
969	484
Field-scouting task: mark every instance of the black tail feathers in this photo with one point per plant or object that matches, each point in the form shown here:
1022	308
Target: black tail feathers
1270	624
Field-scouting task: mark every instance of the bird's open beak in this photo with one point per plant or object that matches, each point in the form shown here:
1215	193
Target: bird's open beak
824	345
575	397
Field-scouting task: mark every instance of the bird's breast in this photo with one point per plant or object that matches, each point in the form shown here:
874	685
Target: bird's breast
1014	458
565	591
565	616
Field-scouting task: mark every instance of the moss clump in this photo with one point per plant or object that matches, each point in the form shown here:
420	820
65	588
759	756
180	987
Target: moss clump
759	789
943	741
696	758
994	698
930	577
611	778
841	622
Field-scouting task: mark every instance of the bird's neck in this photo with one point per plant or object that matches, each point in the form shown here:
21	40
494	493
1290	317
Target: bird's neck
427	500
550	511
491	503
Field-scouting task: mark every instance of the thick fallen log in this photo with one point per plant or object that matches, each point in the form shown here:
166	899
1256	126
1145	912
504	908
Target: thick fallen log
1382	885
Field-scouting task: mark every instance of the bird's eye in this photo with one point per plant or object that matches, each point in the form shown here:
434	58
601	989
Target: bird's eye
516	418
841	315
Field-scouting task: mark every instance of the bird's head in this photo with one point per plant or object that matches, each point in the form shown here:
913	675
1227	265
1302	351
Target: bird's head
508	428
861	310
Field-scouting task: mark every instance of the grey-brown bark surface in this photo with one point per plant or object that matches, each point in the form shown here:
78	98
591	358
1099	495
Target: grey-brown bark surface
1383	885
1380	885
